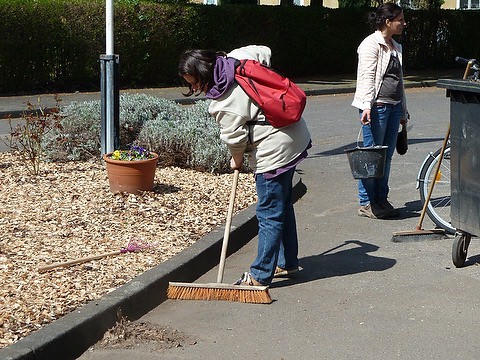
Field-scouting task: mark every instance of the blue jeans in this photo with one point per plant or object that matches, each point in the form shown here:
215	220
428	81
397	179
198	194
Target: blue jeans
277	229
382	130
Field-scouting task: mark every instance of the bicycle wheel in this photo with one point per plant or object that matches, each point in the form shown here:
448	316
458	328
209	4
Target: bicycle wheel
438	208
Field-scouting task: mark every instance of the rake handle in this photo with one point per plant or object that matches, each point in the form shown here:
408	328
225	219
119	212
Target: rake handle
226	234
77	261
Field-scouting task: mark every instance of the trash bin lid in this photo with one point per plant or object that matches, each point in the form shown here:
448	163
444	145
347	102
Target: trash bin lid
459	85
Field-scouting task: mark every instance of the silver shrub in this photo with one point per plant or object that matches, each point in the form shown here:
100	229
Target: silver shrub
208	150
78	138
189	138
137	109
185	136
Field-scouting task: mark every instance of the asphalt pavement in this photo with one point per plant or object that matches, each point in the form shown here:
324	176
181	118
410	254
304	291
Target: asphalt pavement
359	296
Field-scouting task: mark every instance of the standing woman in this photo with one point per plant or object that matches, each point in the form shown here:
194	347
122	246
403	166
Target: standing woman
273	154
380	98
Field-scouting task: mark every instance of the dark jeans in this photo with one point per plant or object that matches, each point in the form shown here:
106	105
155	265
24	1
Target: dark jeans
277	229
382	130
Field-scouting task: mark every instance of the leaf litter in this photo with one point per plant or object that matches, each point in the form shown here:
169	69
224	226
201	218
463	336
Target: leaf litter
126	334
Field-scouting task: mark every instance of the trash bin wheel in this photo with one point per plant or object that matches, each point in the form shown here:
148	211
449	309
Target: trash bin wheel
459	248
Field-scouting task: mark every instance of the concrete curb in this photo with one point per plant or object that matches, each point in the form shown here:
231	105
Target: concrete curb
70	336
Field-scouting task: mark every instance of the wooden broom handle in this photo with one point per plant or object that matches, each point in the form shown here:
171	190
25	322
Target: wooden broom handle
226	234
437	170
77	261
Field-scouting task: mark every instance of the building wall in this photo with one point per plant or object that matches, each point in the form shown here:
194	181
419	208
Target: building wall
327	3
449	4
269	2
330	3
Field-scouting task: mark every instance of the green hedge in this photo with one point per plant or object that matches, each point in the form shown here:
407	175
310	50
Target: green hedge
55	45
433	38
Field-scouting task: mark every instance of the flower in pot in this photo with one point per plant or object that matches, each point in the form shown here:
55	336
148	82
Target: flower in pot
132	170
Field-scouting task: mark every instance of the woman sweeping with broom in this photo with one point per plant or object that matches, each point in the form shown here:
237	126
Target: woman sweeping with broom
273	154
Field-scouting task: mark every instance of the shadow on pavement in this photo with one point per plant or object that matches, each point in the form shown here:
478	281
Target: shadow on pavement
410	210
472	260
352	260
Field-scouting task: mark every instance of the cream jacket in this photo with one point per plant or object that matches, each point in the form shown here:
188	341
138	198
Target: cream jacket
268	148
373	58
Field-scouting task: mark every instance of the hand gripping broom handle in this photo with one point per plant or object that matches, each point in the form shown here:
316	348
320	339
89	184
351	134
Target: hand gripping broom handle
226	234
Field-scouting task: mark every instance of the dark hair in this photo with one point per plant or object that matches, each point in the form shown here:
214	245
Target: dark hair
387	11
200	65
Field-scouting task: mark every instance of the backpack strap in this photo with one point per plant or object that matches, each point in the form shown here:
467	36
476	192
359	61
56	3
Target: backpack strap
257	122
239	66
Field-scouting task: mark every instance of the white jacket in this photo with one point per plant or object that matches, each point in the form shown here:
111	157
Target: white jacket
373	58
269	148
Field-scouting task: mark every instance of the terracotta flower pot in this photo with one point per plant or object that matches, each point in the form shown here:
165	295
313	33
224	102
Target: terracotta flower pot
131	176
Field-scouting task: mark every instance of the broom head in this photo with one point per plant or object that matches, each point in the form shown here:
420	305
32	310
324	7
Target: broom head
219	291
418	235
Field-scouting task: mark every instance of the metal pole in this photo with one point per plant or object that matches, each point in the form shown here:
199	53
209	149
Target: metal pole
109	103
109	27
109	88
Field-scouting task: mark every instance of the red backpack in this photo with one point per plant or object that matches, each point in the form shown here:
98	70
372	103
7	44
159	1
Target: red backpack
281	100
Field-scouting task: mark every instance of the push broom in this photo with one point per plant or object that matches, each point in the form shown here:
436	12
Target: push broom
419	233
220	290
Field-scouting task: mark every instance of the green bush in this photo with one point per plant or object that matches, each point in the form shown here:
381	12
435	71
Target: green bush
185	136
55	45
49	44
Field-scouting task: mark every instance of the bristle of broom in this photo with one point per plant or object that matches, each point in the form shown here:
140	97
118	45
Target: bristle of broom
218	291
418	235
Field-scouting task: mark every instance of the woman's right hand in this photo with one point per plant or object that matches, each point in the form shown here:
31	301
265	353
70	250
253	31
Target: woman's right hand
365	119
236	162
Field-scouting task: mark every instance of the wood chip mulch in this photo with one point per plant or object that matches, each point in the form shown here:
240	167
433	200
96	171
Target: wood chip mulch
67	212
